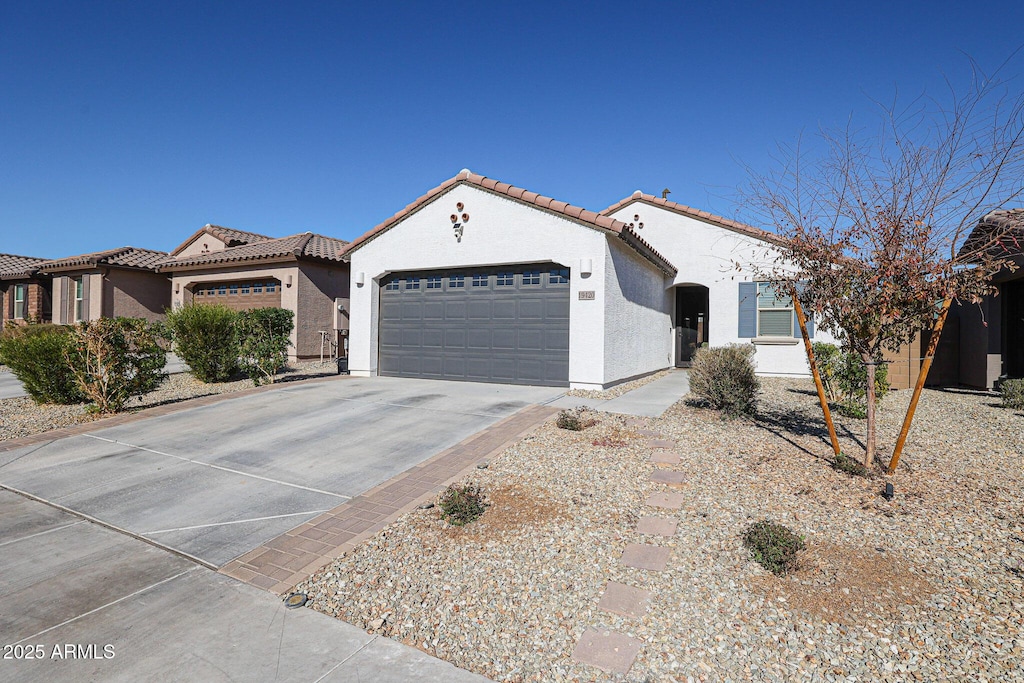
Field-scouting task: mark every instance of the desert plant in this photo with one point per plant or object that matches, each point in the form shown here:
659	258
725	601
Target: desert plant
263	341
462	504
115	359
574	420
723	376
36	354
205	337
773	546
844	463
1012	391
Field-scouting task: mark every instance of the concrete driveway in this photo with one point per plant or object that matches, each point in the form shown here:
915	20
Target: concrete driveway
216	481
10	387
90	604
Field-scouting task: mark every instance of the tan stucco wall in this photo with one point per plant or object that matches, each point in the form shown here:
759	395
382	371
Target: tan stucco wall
318	286
203	244
136	294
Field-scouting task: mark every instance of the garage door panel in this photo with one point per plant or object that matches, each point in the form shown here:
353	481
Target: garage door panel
479	309
510	333
504	310
478	340
433	338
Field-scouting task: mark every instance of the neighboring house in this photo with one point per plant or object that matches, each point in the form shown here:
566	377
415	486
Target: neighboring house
24	291
981	343
303	273
479	280
107	284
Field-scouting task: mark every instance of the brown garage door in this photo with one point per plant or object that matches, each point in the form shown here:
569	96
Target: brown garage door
239	294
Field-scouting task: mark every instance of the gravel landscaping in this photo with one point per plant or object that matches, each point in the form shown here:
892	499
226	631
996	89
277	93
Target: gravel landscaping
23	417
618	389
928	586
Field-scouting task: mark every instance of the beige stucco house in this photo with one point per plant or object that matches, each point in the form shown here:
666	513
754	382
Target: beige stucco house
303	273
107	284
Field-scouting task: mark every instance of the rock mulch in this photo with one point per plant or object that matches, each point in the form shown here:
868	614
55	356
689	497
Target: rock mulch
618	389
22	416
928	586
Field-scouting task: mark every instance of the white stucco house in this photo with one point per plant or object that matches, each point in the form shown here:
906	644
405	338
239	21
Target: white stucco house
483	281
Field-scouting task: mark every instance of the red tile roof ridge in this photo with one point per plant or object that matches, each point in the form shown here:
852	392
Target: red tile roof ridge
300	245
577	214
13	266
230	236
125	257
699	214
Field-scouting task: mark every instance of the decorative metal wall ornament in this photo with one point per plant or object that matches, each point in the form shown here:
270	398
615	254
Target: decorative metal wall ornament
459	227
636	222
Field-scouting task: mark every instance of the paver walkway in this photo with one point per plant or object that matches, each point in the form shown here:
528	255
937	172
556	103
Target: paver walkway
281	563
609	650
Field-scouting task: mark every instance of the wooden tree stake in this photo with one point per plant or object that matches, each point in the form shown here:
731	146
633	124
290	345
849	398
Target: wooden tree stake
814	371
933	343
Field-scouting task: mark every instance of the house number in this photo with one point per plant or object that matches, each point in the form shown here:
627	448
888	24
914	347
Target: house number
587	295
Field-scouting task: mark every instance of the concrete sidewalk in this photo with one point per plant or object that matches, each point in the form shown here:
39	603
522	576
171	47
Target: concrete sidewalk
650	400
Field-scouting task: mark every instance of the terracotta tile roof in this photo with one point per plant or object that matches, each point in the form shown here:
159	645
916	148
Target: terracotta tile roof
304	245
728	224
574	213
122	257
14	267
1000	233
229	236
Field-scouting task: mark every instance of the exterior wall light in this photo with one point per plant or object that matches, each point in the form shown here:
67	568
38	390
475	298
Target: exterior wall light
360	278
289	282
586	266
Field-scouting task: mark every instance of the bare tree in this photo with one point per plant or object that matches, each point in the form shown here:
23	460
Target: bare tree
876	221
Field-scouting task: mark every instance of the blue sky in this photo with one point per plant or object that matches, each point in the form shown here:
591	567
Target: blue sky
139	122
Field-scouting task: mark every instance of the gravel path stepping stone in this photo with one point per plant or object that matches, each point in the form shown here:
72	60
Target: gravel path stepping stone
663	457
607	650
657	526
625	600
636	422
649	432
661	443
669	501
669	477
642	556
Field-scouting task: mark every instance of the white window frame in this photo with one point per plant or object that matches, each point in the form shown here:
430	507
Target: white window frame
763	286
79	293
20	303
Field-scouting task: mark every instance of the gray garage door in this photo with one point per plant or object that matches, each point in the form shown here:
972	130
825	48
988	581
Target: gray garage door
507	324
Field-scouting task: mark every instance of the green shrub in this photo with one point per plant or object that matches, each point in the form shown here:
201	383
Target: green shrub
36	354
462	504
263	341
1012	391
773	546
844	463
205	338
115	359
724	377
845	379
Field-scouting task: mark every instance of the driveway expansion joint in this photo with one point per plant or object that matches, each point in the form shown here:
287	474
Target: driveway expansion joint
281	563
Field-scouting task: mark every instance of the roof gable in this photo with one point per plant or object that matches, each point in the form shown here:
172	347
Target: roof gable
576	214
303	246
706	217
228	236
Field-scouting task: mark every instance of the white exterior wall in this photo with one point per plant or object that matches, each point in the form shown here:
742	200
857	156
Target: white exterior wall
706	255
638	319
499	231
282	272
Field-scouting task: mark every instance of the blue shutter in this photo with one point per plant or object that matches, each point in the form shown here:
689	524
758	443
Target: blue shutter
748	310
